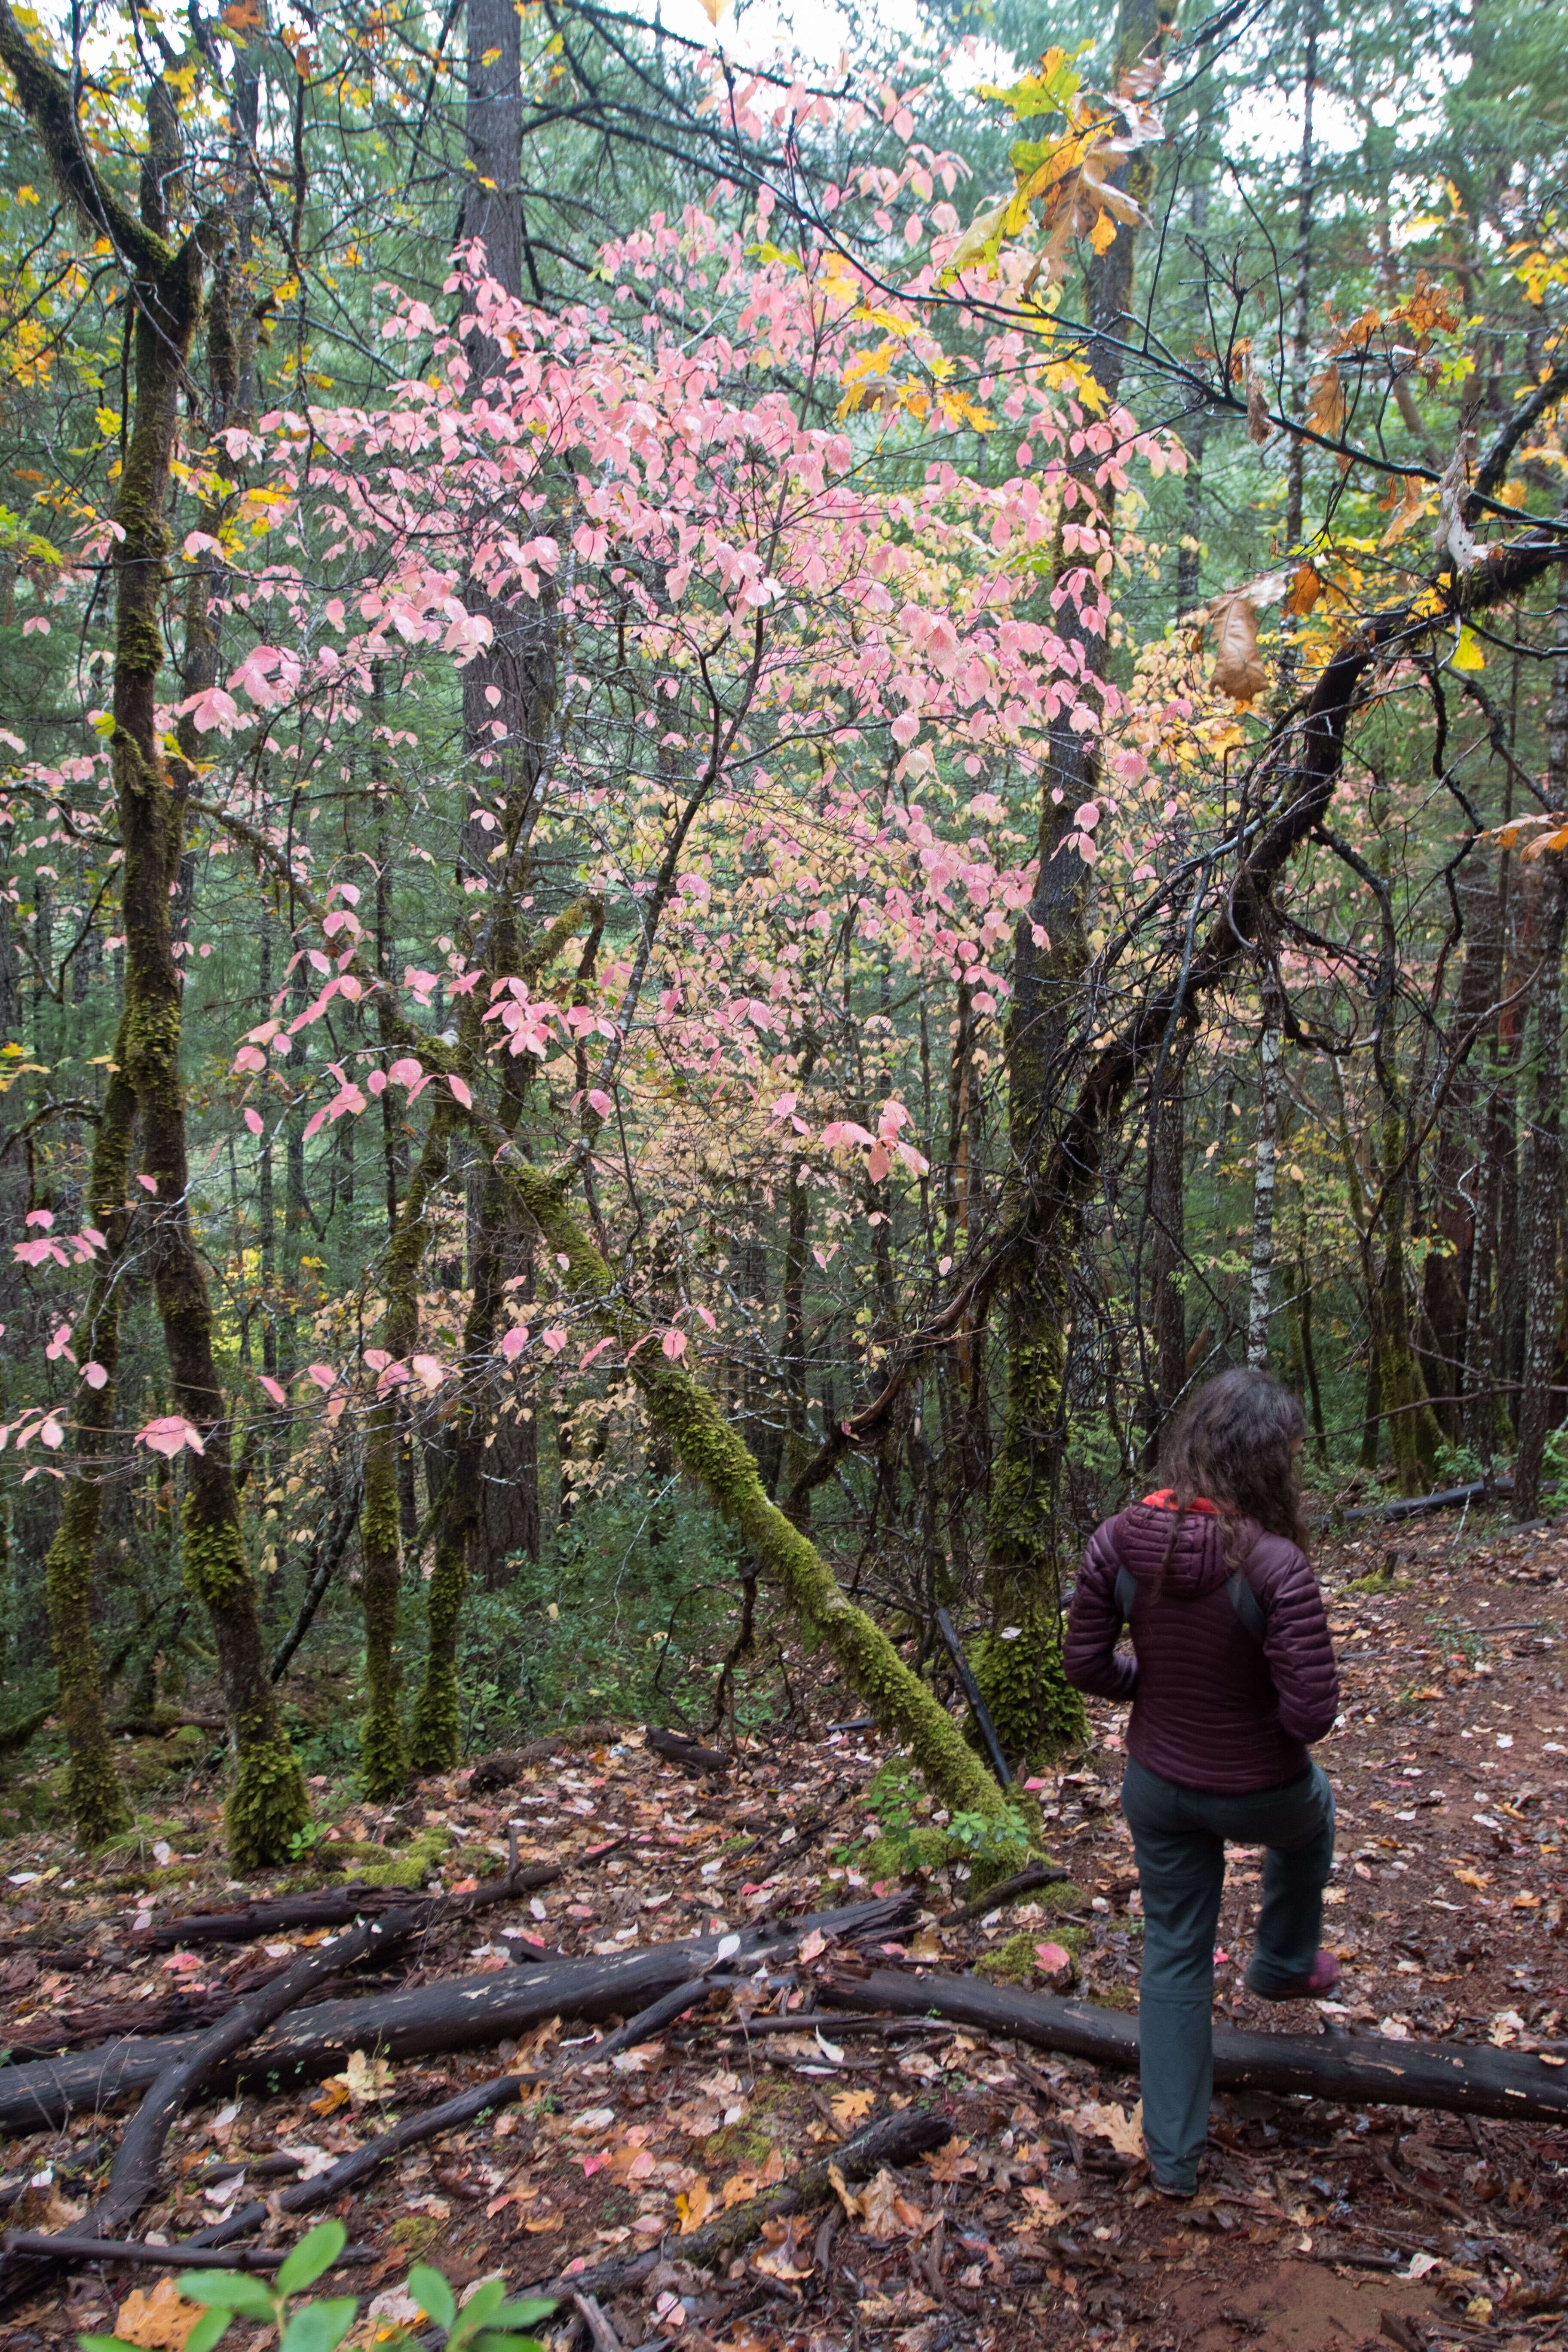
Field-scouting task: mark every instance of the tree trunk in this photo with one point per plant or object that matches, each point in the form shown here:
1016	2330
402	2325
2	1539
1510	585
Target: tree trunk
1263	1184
1541	1175
267	1802
1042	1711
97	1806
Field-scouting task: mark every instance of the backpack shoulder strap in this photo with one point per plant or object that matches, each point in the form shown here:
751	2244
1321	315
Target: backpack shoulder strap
1246	1605
1126	1592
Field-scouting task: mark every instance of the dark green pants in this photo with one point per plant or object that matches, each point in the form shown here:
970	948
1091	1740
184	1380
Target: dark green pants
1179	1836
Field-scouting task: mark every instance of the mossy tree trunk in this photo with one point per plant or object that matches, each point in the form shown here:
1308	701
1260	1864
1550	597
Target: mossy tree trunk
382	1757
1051	953
97	1806
267	1801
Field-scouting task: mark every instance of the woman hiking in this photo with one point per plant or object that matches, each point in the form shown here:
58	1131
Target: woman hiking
1232	1674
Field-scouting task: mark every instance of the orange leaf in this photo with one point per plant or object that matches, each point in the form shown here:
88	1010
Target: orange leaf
158	2322
694	2205
1305	590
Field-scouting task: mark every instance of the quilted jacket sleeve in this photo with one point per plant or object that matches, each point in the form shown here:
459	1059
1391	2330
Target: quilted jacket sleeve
1094	1624
1299	1651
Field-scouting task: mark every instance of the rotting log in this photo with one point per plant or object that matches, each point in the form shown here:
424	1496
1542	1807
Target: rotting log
425	2021
1355	2069
335	1909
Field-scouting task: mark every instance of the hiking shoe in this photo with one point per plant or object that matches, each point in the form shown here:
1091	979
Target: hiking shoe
1324	1975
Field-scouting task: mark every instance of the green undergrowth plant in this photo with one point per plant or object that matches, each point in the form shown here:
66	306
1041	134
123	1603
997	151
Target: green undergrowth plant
624	1616
486	2323
906	1835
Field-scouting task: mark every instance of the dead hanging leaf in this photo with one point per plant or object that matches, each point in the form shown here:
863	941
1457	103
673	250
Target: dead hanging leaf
1453	537
1537	848
1305	589
714	10
694	2205
1102	191
159	2321
978	240
1411	504
1326	404
1125	2132
1259	428
1237	670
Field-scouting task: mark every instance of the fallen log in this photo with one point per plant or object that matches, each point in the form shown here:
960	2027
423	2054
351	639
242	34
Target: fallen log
452	2013
1361	2069
133	2176
336	1908
140	2251
897	2140
689	1754
1447	1498
51	2034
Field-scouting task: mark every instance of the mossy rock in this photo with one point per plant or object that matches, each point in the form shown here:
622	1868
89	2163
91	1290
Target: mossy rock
1065	1895
412	1867
415	2233
890	1857
1011	1963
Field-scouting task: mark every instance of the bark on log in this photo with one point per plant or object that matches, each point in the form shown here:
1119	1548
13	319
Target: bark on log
453	2014
336	1910
143	2251
689	1754
1446	1499
1360	2070
110	2020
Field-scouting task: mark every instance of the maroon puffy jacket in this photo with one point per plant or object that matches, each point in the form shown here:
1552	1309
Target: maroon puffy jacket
1212	1707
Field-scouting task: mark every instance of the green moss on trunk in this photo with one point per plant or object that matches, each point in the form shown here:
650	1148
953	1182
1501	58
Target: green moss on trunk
381	1737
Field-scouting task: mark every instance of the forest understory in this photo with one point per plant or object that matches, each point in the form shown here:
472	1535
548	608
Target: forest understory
1033	2221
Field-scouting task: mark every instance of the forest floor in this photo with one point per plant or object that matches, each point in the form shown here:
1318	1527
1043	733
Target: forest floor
1317	2225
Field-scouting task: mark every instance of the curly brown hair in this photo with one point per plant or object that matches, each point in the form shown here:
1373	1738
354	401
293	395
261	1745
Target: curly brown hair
1232	1442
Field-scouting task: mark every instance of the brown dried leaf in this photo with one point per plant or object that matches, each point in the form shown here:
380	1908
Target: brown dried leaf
1406	513
1259	428
784	2258
1125	2132
159	2321
1326	404
1237	670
